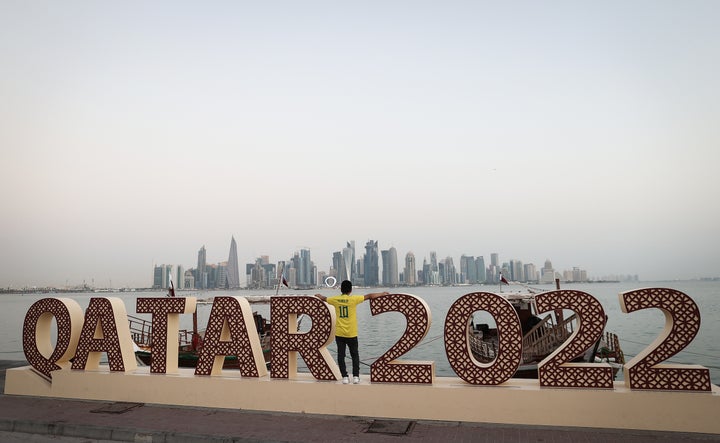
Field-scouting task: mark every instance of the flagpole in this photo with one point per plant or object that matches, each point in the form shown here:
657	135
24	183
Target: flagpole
171	288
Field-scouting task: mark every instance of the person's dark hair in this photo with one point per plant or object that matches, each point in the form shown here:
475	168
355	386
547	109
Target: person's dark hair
346	287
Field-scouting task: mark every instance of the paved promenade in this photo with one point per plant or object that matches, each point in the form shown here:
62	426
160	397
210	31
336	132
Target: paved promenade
53	420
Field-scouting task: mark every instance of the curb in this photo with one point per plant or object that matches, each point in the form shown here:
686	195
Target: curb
60	429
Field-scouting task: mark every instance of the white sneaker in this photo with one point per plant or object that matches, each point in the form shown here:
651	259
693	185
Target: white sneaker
345	380
356	380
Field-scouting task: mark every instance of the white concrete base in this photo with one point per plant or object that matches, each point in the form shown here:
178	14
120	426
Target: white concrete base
450	399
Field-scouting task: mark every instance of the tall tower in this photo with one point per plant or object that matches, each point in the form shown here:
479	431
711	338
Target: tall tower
450	272
372	267
390	267
304	273
385	267
179	277
348	255
410	277
394	279
201	277
233	269
468	272
434	269
480	269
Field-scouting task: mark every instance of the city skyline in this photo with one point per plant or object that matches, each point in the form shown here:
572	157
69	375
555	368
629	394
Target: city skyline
203	261
133	133
383	265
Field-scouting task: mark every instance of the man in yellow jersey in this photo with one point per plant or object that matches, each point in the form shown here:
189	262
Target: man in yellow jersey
346	328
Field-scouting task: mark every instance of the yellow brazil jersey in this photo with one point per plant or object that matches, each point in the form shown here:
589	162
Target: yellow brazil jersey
345	314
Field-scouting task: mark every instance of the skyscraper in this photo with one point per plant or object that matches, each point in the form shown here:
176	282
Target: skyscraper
233	269
201	276
389	267
348	270
393	264
337	265
468	271
450	277
434	274
179	280
410	277
372	267
305	268
480	269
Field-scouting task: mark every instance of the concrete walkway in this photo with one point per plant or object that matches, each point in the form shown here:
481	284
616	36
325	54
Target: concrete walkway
34	418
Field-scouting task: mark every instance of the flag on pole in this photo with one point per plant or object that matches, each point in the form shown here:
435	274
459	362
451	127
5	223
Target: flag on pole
285	282
503	280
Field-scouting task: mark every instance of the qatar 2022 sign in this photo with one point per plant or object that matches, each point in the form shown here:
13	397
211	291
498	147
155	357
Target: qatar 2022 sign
83	337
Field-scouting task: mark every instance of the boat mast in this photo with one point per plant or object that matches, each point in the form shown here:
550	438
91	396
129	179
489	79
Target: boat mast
558	312
280	277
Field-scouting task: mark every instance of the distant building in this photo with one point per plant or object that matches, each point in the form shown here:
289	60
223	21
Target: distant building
201	277
338	265
480	269
304	268
468	271
576	275
449	274
531	274
233	269
517	272
189	279
372	267
162	275
547	273
179	278
256	278
410	272
390	267
347	269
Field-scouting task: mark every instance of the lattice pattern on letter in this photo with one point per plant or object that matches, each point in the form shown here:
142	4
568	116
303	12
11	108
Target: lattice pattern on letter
457	347
682	323
231	331
554	371
68	314
161	308
105	320
311	345
417	315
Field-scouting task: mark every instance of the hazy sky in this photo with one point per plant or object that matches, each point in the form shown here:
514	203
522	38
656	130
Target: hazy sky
134	132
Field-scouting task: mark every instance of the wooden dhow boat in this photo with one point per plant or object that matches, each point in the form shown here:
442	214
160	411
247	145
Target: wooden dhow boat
190	342
541	337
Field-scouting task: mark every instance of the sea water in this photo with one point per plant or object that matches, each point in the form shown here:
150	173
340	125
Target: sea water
378	333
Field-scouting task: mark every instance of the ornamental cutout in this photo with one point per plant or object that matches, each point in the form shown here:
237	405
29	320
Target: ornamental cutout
457	340
106	329
311	345
37	344
386	369
166	326
555	370
231	332
682	323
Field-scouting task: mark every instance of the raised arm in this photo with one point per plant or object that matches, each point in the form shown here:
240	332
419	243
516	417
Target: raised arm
375	295
321	297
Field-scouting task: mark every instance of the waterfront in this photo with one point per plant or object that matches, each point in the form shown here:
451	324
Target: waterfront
379	333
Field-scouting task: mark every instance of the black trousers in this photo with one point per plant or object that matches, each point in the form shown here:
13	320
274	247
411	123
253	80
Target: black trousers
352	343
